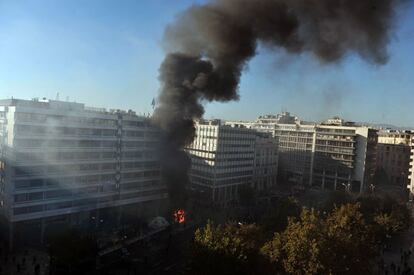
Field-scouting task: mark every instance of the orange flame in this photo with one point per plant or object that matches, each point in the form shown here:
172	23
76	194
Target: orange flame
179	216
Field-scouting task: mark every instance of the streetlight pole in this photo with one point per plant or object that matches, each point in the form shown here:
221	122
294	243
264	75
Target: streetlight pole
372	187
347	187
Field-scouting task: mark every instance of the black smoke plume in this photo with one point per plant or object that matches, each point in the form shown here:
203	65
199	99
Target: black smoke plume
209	46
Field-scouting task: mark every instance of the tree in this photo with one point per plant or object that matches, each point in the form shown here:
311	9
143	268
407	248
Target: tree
384	226
336	199
340	243
385	215
344	240
402	216
372	204
298	249
351	247
228	249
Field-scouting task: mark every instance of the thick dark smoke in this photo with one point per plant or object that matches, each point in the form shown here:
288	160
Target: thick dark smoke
209	46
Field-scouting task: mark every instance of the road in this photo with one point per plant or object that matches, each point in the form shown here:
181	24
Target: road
166	255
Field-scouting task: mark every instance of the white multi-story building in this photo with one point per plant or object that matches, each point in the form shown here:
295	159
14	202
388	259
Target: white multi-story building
395	137
266	161
296	144
344	157
225	157
331	155
62	162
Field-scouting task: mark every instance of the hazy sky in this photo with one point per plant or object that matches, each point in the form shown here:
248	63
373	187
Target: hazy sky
107	54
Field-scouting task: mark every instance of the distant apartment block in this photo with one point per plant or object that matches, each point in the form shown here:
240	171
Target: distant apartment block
296	145
330	155
63	162
225	157
344	157
265	163
393	156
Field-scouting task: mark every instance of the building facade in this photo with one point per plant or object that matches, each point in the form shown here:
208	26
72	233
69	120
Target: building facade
266	161
225	157
393	156
344	157
330	155
296	144
65	163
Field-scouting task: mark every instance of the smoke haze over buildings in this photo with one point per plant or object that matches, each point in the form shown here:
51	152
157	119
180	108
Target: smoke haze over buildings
208	46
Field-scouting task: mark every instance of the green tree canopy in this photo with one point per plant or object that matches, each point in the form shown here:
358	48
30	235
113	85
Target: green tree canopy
351	246
228	249
298	249
336	199
340	243
343	240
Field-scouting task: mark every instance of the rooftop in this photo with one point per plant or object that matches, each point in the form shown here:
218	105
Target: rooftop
61	105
